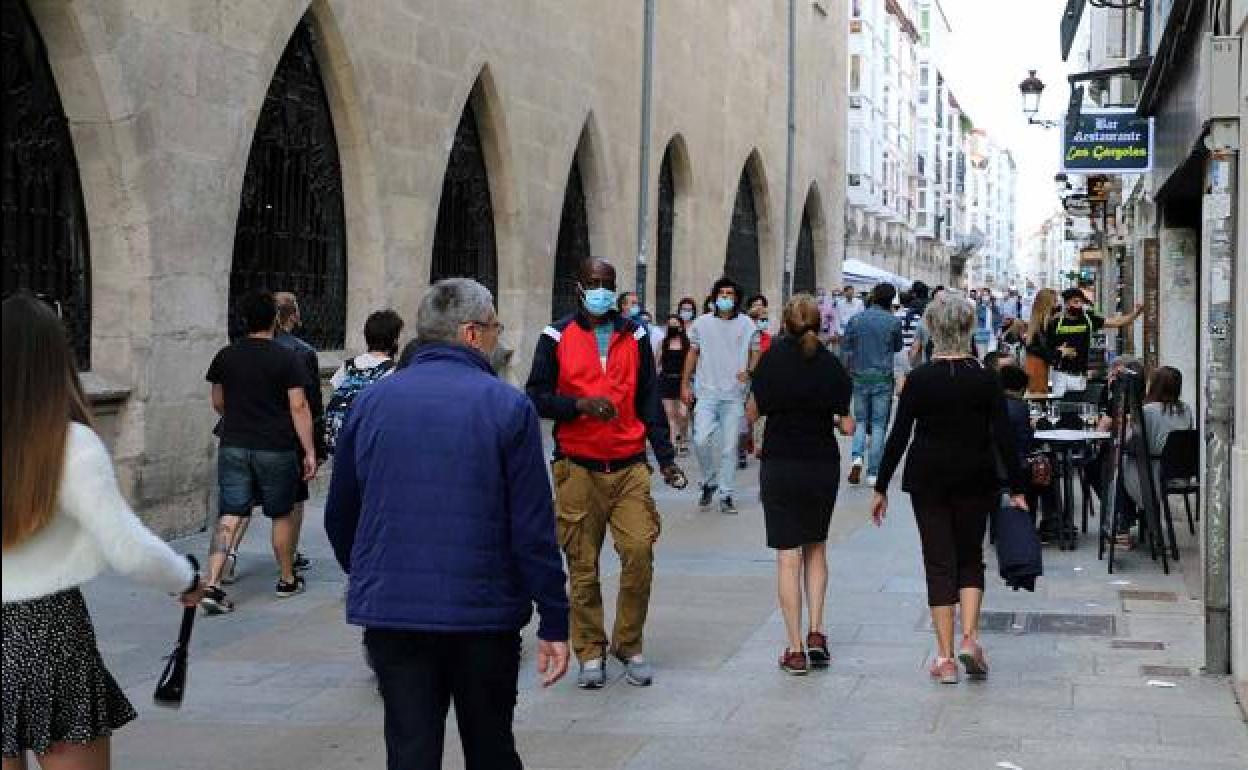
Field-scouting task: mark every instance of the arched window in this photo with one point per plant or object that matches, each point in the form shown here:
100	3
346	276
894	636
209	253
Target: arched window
44	236
741	262
663	245
463	242
291	232
804	263
573	244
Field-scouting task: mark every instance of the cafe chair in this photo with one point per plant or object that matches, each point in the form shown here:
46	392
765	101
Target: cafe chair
1180	472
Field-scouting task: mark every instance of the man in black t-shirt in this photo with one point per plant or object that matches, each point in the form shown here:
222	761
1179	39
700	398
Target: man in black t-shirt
258	389
1070	334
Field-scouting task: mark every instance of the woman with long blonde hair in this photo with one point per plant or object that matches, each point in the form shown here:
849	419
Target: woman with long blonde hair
1036	343
64	522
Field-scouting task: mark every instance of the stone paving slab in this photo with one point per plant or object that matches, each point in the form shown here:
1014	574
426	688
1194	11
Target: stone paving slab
281	684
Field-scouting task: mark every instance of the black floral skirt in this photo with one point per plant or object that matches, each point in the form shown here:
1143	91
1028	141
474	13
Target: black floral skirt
56	688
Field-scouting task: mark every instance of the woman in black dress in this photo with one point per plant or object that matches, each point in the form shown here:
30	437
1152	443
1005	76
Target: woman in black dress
804	393
672	353
956	410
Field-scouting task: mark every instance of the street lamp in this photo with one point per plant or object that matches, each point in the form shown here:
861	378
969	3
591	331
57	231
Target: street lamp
1031	88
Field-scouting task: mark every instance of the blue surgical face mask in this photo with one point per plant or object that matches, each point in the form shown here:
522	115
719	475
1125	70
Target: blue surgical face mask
763	324
686	315
724	304
634	311
599	301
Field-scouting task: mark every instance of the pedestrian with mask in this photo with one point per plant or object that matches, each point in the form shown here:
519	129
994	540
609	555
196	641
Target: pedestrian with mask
439	512
725	350
871	341
594	376
1070	337
687	311
1039	353
674	348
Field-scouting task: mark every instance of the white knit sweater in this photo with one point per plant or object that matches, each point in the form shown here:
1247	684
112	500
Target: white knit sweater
93	528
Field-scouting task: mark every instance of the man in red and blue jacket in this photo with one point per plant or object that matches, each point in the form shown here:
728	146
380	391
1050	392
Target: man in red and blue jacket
594	375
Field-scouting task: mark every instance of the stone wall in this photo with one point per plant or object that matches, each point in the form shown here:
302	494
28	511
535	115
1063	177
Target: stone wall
163	98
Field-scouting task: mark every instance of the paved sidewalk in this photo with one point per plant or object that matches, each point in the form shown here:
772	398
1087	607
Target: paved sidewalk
281	683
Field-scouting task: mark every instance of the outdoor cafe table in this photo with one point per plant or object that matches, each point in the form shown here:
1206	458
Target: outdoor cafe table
1064	443
1041	397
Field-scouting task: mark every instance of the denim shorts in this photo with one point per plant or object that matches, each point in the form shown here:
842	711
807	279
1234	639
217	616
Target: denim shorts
263	477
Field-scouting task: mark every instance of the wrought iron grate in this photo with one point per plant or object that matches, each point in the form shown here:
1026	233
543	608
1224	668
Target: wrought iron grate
1070	624
1132	644
1148	596
463	241
572	246
804	260
741	262
43	240
291	233
664	229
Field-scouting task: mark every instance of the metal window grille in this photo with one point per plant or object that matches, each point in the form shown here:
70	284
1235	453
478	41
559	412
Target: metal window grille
291	232
572	246
663	248
44	237
463	241
741	261
804	263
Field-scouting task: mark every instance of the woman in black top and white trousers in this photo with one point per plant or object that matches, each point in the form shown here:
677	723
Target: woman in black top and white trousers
804	392
956	411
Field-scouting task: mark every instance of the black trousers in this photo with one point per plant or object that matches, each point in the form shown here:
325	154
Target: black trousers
951	529
422	673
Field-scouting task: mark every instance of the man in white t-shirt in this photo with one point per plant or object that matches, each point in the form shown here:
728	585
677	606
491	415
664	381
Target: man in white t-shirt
725	348
848	306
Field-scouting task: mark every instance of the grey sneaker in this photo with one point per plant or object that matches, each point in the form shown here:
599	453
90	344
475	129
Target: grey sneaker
593	674
638	672
727	506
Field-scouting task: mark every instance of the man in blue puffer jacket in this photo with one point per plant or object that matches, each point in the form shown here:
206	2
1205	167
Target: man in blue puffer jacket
440	512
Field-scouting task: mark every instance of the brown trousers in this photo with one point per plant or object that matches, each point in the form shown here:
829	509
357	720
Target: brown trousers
588	503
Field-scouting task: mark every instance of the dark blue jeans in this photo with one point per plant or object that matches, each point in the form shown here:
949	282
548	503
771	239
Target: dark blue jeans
873	405
421	673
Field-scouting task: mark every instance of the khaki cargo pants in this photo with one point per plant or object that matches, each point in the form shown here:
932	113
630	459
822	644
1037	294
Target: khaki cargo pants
587	503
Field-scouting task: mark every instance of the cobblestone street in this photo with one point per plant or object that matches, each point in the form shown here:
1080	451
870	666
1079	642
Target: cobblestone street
281	683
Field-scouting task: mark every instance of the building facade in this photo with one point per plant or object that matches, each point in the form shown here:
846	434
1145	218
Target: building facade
1175	238
912	206
352	152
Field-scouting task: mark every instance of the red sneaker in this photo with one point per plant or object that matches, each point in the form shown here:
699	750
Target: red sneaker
793	662
817	650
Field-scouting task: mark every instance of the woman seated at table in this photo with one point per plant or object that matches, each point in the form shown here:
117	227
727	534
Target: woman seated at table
1163	412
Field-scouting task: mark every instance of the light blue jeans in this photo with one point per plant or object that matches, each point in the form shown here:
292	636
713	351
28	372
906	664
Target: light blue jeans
873	404
716	423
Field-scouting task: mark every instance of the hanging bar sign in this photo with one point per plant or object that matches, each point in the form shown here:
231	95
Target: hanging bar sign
1108	142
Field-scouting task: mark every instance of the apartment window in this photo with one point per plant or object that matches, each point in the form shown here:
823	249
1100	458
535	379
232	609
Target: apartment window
1116	33
857	9
923	74
855	73
922	200
855	148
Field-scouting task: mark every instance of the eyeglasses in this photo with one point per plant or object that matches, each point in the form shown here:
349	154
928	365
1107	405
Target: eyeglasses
492	325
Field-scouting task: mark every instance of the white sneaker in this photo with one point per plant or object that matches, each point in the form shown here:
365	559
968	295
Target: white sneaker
871	481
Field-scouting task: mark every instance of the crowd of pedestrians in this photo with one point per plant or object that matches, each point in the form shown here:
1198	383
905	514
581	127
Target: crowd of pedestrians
453	526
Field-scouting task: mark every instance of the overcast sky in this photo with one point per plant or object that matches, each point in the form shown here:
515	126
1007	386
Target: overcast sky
995	42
